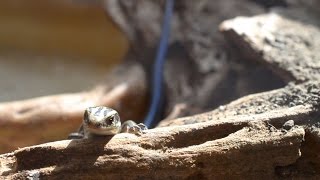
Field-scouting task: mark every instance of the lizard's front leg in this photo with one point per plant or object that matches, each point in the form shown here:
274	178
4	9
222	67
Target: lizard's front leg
133	128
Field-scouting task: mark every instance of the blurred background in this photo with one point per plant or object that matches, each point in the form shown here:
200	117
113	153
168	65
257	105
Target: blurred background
55	46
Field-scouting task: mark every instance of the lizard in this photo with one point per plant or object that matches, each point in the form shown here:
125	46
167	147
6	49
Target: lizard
103	121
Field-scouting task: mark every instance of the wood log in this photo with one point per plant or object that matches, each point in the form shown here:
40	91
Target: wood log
244	147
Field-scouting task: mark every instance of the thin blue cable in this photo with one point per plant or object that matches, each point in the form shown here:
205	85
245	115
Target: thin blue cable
157	86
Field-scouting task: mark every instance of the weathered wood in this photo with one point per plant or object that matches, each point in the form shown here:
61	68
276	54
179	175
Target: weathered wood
214	149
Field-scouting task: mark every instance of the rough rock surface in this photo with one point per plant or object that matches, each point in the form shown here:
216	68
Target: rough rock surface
214	149
290	47
198	61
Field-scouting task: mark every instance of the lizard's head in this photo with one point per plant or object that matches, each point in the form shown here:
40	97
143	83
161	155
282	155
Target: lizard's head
101	121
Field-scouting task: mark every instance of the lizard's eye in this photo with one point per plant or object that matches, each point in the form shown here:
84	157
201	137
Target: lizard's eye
110	119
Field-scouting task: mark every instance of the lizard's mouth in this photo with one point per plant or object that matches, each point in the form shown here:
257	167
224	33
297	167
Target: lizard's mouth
110	130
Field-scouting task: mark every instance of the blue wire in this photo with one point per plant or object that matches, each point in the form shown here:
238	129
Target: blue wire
157	87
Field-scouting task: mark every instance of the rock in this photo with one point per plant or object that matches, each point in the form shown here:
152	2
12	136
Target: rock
290	48
212	150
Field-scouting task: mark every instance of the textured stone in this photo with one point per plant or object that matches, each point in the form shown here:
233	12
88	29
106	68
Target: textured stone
291	48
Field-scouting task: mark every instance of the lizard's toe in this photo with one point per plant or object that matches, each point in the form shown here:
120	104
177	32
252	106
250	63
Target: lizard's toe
142	126
136	129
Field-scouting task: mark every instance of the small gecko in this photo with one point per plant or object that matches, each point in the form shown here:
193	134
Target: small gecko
102	121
